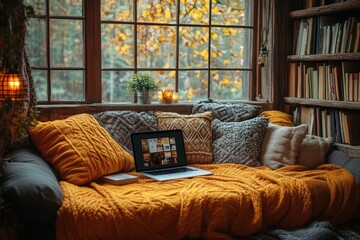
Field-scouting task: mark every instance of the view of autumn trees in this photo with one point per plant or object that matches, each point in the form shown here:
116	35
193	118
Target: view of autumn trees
204	50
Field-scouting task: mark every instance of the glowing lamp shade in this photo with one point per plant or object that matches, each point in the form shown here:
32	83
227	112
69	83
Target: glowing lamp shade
12	86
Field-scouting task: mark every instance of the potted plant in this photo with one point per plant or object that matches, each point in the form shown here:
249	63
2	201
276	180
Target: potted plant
143	85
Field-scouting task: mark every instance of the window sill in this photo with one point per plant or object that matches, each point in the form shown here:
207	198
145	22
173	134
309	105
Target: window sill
50	112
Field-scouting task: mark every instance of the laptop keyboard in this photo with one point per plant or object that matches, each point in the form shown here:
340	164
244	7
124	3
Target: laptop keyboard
170	171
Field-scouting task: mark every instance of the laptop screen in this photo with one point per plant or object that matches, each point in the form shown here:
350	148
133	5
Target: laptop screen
158	150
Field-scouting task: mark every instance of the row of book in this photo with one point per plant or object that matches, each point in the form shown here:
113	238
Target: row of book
342	126
325	81
326	35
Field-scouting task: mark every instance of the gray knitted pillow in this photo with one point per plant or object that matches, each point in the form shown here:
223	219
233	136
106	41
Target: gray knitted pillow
227	112
120	125
239	142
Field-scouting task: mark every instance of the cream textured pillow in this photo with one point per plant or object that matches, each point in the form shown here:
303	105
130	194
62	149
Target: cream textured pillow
197	133
313	151
281	145
79	149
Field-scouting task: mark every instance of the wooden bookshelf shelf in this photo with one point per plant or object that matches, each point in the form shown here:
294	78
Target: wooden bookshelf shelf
335	8
323	63
325	57
323	103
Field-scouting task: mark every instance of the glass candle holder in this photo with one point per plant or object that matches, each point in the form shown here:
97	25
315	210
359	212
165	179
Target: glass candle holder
175	97
167	95
160	97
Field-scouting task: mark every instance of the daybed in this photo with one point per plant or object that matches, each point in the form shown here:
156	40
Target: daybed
265	177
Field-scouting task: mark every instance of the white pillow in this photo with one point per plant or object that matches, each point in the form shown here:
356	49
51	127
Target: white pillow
313	151
281	145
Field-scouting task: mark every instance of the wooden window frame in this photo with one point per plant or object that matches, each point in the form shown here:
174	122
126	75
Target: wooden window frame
92	55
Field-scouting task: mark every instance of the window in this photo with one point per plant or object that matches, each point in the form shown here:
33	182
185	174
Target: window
56	50
199	48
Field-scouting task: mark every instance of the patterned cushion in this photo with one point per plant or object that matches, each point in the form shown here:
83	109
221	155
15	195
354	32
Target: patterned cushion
79	149
239	142
120	125
227	112
196	130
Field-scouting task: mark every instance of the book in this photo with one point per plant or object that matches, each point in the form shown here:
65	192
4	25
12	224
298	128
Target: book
293	80
322	80
120	178
353	128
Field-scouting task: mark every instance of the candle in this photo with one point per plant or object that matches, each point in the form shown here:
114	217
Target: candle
160	97
175	97
167	95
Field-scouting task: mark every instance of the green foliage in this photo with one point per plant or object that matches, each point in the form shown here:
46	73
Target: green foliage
16	125
141	81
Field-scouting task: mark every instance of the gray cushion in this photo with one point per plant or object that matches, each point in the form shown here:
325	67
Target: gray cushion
344	160
31	186
120	125
227	112
239	142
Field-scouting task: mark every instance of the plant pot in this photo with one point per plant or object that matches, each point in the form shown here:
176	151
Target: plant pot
144	97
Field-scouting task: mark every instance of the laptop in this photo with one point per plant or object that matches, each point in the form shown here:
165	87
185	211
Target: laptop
161	155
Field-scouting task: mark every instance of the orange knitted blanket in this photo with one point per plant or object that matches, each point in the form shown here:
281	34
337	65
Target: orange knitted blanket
235	201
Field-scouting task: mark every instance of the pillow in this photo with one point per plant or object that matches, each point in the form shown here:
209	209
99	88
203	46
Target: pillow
31	186
313	151
227	112
344	160
239	142
120	125
79	149
197	133
281	145
278	118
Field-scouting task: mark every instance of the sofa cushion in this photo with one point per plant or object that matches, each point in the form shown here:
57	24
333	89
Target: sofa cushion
344	160
120	125
239	142
79	149
30	184
313	151
227	112
281	145
278	118
197	133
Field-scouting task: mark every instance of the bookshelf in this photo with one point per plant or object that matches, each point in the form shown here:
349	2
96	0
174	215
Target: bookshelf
324	68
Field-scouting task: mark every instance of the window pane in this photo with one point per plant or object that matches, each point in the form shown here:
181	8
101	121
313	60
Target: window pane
232	12
231	47
156	47
66	43
114	86
193	47
194	11
229	85
39	6
157	11
193	85
116	10
40	81
66	8
165	79
67	85
117	45
36	42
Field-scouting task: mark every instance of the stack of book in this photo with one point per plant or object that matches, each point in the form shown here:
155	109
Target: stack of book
343	126
326	35
325	81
